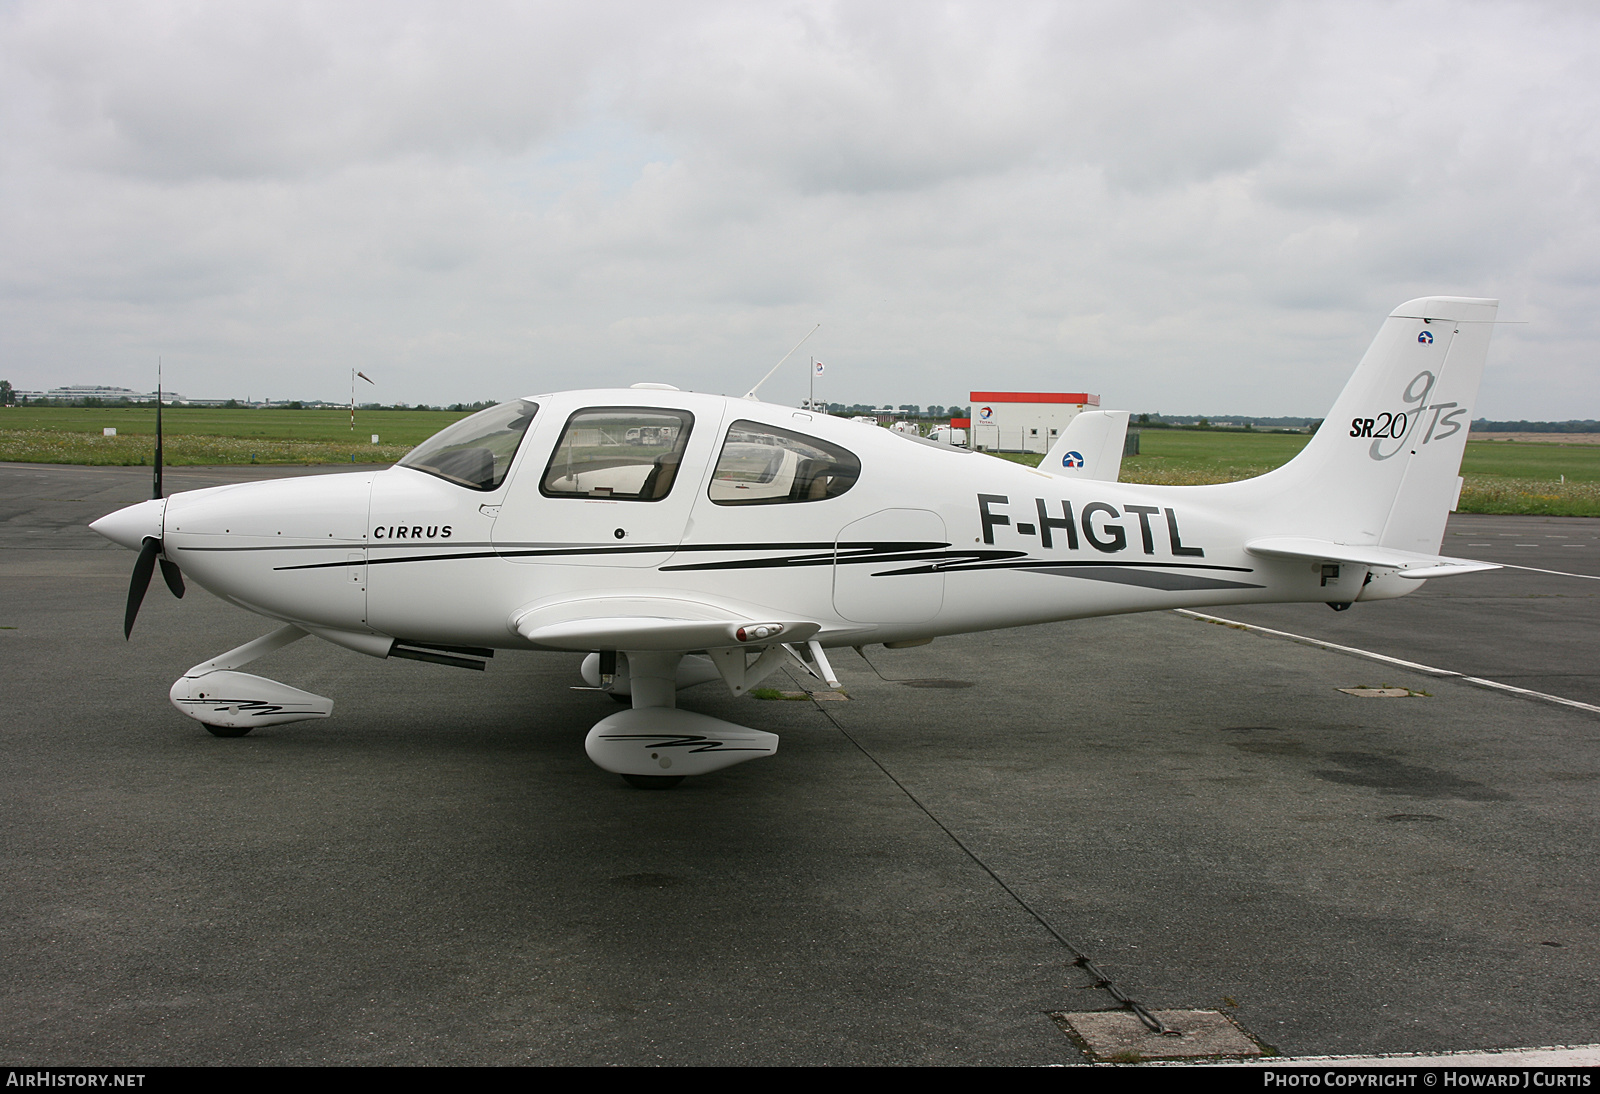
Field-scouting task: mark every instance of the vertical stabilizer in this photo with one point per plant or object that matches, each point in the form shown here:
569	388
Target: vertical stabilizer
1383	468
1090	447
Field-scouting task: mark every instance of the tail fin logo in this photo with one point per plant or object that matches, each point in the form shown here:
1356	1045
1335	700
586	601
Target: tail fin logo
1072	459
1426	338
1400	426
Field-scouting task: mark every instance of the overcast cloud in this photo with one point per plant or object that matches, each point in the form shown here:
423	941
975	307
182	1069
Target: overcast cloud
1188	208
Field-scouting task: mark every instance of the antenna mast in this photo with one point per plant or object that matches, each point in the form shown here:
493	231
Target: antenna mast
157	493
751	394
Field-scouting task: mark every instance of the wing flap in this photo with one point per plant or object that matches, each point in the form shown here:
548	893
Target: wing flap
638	632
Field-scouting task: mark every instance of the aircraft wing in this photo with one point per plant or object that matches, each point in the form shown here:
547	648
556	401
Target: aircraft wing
1407	563
658	632
1090	447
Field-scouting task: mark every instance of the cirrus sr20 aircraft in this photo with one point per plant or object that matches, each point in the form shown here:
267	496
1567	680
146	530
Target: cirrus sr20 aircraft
679	538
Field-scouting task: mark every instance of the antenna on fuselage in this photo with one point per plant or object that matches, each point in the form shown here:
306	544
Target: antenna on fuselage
751	394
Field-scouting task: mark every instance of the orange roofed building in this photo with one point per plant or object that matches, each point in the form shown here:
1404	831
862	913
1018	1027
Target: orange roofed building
1024	421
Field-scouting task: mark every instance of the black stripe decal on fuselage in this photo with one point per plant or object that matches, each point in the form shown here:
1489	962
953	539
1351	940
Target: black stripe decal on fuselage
860	552
1127	574
923	557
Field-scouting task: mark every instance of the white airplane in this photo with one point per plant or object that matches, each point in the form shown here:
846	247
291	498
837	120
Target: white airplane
679	538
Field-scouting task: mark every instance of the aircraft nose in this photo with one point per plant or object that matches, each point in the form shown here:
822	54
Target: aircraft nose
129	527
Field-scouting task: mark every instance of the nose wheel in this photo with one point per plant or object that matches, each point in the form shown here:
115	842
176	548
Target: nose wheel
230	703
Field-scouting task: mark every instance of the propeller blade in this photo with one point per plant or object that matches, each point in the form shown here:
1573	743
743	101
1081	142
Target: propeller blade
143	569
173	577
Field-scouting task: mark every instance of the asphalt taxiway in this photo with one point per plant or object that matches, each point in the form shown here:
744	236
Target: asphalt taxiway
437	874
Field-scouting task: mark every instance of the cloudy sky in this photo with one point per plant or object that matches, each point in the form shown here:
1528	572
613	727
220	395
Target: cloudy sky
1188	208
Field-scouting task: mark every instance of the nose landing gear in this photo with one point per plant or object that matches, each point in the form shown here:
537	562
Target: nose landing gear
231	704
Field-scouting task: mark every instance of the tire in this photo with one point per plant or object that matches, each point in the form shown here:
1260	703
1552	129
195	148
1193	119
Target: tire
653	782
227	731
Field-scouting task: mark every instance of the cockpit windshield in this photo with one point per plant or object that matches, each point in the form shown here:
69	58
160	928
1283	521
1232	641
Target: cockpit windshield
476	452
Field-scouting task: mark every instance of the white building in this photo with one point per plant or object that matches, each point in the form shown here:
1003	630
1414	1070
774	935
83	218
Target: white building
101	392
1024	421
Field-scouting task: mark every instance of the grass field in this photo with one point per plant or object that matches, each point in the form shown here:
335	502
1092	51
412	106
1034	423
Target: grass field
202	436
1541	478
406	427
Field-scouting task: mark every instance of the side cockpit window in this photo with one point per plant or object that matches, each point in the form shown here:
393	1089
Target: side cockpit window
767	465
623	453
476	452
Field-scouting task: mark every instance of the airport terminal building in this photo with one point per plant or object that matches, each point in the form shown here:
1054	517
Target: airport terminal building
1024	421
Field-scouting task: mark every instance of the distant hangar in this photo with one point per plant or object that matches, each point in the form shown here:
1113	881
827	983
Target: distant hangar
1024	421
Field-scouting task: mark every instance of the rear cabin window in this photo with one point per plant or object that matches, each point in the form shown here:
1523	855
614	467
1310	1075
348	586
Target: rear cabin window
622	453
767	465
476	452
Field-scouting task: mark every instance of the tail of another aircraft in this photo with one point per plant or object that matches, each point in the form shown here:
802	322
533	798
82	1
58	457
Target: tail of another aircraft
1090	447
1383	469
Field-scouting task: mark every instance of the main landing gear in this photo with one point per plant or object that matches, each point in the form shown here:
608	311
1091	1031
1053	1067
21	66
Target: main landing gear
654	745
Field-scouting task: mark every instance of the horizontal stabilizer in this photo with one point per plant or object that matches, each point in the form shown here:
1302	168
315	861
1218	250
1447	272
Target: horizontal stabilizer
1090	447
1408	564
655	633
